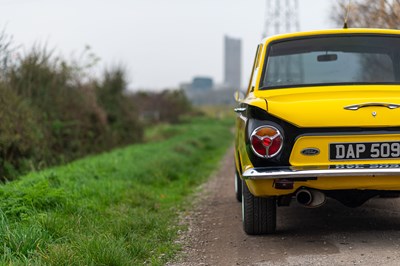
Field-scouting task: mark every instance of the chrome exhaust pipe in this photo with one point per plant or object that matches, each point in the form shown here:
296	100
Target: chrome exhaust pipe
304	197
310	198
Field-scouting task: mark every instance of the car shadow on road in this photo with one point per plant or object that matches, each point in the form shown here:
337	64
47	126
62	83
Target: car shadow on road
376	215
331	229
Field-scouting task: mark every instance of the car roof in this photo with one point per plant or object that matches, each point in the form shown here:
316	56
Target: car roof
331	32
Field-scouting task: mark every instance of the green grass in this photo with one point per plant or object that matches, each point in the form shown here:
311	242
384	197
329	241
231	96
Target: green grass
118	208
218	111
161	132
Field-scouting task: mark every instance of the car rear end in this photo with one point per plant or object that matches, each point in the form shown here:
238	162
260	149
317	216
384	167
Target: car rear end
330	125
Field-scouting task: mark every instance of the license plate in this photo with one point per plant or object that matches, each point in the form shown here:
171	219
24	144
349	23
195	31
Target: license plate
364	166
364	151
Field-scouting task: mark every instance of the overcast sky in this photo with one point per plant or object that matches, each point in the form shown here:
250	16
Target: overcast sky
161	42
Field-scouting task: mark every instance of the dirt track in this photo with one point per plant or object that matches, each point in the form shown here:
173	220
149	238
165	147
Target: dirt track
330	235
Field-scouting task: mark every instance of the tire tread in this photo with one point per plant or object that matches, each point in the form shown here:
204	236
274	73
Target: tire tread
259	213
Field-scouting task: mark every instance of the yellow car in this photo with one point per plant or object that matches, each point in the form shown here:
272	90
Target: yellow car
320	118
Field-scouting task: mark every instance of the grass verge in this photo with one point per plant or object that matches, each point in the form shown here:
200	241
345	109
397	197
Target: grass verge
118	208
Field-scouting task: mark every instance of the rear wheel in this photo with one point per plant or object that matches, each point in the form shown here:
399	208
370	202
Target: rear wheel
259	214
238	187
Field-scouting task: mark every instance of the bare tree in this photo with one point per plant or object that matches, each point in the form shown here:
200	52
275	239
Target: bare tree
368	13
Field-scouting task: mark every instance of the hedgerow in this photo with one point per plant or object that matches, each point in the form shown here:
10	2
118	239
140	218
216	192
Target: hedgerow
53	111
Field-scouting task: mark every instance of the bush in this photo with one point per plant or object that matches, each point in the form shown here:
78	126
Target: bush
167	106
53	112
122	117
22	143
74	123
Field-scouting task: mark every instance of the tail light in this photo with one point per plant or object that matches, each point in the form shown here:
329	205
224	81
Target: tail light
266	141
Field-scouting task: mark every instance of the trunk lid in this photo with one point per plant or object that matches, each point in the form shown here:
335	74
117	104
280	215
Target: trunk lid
324	106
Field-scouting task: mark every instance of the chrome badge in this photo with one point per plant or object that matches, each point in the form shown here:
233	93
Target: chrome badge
374	114
310	151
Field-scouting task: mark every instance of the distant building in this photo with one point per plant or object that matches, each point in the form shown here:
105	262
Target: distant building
198	91
202	84
203	91
233	62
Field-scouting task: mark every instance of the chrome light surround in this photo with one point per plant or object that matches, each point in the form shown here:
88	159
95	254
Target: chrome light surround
277	134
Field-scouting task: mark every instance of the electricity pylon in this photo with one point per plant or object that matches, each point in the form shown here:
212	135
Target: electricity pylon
281	16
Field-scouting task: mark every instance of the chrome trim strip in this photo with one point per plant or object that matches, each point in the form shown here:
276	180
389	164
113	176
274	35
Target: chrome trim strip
313	172
355	107
239	110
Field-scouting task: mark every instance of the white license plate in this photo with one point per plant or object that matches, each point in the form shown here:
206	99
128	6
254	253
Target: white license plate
364	151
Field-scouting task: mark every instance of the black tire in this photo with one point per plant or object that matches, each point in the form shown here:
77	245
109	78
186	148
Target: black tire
259	214
238	187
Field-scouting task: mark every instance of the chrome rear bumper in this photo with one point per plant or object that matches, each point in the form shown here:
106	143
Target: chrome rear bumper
326	171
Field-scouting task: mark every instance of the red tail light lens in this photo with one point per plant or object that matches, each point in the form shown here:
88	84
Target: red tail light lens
266	141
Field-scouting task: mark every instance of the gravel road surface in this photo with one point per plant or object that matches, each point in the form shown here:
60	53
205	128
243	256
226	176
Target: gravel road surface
330	235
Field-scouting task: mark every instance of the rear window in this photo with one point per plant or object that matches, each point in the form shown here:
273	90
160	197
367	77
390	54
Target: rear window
331	61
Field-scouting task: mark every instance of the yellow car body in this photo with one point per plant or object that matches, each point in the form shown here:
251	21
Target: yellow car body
340	137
